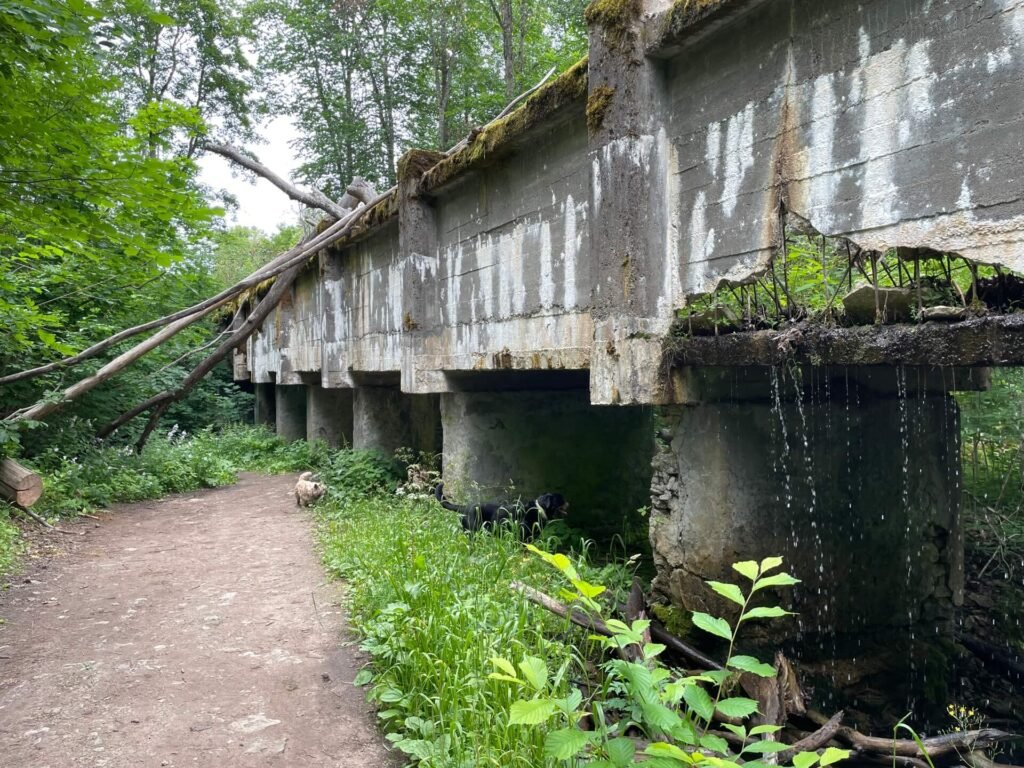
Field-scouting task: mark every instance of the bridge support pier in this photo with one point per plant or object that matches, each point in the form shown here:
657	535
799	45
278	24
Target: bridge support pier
329	415
858	490
385	419
265	406
551	441
291	411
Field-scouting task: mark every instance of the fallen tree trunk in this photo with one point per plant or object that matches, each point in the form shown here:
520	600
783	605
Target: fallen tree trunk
814	741
313	199
197	311
19	484
579	618
162	401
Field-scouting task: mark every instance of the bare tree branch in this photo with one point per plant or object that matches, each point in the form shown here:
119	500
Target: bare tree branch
313	199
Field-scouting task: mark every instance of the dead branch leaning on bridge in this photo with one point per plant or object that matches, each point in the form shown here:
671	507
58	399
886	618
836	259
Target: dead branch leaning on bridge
312	199
292	258
359	189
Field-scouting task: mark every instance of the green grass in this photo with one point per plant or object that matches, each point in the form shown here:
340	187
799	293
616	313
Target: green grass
432	606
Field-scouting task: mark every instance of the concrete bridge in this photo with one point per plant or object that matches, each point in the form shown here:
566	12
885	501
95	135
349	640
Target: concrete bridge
510	304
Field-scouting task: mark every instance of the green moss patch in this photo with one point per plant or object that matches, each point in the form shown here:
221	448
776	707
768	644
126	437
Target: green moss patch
495	138
416	162
597	105
615	18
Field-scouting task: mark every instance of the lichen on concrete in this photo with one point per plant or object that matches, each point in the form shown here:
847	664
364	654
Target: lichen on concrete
497	137
597	105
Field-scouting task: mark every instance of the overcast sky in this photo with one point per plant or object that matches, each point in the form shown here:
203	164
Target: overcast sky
261	204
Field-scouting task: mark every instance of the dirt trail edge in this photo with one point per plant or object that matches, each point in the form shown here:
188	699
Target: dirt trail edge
198	630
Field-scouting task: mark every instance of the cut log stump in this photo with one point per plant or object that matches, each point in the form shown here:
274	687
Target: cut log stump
18	484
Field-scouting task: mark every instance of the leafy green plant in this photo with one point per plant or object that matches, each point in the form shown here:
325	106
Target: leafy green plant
676	712
432	607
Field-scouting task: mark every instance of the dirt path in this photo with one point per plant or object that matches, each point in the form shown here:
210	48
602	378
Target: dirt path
193	631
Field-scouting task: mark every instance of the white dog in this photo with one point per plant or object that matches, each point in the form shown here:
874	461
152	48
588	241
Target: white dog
308	489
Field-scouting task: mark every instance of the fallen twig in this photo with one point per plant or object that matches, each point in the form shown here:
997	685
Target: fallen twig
934	746
814	741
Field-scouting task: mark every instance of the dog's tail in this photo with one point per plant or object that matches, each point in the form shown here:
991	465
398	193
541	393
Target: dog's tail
439	495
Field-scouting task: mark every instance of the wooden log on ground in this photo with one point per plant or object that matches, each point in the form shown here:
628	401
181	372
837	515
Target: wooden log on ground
935	746
18	484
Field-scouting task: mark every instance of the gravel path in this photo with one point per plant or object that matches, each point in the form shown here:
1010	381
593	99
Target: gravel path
193	631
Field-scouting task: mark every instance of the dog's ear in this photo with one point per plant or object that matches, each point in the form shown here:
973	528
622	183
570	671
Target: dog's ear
548	501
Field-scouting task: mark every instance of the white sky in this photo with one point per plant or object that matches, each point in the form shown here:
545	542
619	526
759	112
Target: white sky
260	203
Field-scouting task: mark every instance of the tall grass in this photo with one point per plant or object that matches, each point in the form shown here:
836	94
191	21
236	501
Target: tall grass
432	607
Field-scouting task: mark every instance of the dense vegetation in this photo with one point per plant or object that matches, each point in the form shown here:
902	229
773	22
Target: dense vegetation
107	103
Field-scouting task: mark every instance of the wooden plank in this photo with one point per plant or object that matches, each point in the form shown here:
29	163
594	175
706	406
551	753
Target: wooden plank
19	484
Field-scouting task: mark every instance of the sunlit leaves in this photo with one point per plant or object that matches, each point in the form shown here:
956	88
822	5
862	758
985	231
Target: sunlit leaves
531	712
535	671
713	624
564	743
728	591
833	755
752	665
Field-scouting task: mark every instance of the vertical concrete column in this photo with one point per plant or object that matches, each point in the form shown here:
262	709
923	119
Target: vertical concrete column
265	406
329	415
417	238
385	419
862	499
630	165
291	411
379	420
502	444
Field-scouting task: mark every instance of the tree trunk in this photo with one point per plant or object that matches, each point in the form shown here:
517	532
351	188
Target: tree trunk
19	484
163	401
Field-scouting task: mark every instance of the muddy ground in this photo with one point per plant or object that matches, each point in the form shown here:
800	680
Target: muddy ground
198	630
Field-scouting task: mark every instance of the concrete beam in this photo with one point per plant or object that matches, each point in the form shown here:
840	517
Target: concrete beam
985	341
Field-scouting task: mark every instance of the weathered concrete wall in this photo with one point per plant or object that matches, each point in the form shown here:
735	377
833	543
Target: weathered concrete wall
512	278
536	442
362	299
891	123
860	495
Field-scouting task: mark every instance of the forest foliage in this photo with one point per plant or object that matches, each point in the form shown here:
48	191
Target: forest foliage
104	222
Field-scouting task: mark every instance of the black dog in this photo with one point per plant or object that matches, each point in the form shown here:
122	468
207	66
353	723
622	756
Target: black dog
530	517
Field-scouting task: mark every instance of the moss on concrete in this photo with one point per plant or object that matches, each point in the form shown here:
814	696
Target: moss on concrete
497	137
381	213
687	13
597	105
416	162
615	18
